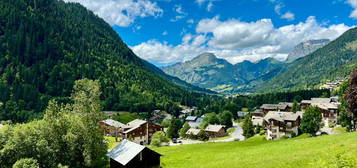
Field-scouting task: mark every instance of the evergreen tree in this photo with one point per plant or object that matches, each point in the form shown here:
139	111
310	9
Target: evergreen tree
174	128
248	128
184	129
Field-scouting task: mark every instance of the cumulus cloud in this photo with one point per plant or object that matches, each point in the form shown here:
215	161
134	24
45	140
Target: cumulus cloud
236	41
121	12
180	13
288	16
353	4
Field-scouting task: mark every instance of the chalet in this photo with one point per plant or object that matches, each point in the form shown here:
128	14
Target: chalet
279	124
327	106
216	130
131	155
195	124
274	107
258	113
111	127
241	114
140	131
257	120
193	131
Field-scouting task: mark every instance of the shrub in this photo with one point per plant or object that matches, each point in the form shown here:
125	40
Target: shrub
202	136
331	125
26	163
158	138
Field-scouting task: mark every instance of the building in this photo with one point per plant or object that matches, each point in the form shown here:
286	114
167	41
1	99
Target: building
216	130
241	114
191	118
274	107
197	123
131	155
193	131
111	127
279	124
328	108
140	131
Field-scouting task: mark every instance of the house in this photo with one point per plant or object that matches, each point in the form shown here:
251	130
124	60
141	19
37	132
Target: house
111	127
193	131
140	131
328	107
257	120
274	107
191	118
279	124
258	113
195	124
131	155
216	130
241	114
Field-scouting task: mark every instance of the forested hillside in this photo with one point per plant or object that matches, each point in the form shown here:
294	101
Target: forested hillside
45	45
337	59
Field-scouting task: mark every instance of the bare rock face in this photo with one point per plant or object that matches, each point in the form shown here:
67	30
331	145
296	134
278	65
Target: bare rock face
306	48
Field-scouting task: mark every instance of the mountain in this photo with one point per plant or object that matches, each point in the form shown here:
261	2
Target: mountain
208	71
45	45
337	59
306	48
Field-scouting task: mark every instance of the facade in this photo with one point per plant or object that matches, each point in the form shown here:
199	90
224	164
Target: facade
279	124
216	130
131	155
112	127
328	108
274	107
140	131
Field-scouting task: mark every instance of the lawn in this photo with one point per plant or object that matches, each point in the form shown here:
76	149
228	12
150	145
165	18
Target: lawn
111	141
299	152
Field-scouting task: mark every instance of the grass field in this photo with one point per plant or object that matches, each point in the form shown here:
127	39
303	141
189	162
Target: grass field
111	141
300	152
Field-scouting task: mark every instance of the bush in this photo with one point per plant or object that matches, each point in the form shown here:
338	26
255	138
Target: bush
331	125
158	138
202	136
339	161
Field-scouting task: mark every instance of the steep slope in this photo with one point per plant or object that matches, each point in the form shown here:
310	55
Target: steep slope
337	59
306	48
207	71
45	45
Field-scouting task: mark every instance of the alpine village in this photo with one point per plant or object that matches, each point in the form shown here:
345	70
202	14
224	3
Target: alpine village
178	84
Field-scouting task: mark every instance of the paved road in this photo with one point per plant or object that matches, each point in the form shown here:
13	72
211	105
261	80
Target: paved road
237	134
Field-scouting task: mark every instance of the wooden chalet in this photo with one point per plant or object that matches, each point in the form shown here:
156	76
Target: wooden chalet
140	131
280	124
111	127
216	130
131	155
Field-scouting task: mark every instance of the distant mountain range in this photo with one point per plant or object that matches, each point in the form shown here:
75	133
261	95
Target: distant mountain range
306	48
208	71
309	64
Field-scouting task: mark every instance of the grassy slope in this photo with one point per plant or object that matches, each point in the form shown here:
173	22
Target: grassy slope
293	153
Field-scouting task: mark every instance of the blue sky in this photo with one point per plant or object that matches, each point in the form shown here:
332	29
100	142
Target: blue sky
167	31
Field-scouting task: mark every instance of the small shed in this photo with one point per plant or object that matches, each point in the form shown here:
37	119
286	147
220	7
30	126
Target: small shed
131	155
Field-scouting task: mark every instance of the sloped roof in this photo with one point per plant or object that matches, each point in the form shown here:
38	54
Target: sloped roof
191	118
136	122
113	123
274	106
214	128
281	116
320	100
125	152
193	131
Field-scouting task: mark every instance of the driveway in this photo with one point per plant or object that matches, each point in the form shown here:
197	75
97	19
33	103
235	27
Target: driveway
237	134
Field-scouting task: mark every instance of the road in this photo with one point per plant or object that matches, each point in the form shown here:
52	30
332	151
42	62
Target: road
237	134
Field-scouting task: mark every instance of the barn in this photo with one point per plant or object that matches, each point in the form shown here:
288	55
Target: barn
131	155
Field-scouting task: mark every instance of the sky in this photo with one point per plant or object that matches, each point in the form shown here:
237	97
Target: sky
164	32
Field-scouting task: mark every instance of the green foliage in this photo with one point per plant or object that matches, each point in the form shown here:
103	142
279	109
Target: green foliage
184	129
45	45
310	122
158	138
248	128
174	128
68	135
165	123
296	107
26	163
344	119
203	136
226	118
211	118
351	98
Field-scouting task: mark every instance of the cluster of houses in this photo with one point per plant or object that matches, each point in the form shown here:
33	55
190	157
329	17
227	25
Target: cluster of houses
138	131
279	120
334	84
212	130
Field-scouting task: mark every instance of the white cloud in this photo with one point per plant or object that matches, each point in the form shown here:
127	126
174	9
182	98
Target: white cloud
237	41
288	16
165	33
180	13
353	4
209	3
121	12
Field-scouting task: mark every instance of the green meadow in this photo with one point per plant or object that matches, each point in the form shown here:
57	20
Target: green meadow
300	152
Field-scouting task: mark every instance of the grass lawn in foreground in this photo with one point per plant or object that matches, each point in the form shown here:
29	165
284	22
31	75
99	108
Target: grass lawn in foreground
111	141
300	152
